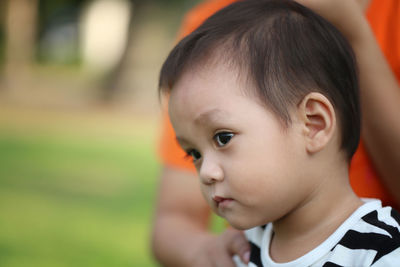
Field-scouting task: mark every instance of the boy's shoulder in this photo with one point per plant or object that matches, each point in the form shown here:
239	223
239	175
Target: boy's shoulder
376	227
369	237
376	237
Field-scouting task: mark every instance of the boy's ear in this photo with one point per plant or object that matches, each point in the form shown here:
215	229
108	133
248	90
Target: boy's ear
318	119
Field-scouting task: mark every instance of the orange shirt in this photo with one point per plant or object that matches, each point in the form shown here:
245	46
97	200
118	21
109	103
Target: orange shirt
384	18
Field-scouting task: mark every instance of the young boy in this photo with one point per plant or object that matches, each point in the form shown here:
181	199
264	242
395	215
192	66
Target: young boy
264	97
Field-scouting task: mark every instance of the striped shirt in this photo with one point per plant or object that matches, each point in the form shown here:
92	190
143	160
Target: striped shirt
369	237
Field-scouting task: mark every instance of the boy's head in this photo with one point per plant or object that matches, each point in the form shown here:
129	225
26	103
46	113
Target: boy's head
254	91
284	50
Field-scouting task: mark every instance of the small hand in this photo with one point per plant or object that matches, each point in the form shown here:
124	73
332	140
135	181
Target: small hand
218	250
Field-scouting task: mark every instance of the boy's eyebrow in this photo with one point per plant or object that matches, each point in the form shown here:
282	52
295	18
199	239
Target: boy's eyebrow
209	115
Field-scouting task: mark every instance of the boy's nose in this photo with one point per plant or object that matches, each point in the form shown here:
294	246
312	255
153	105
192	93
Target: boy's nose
210	171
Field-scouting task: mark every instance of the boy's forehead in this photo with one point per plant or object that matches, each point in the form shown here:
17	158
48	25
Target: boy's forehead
206	81
211	73
199	85
196	84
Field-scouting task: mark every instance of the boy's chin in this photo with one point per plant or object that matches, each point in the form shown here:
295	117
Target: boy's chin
239	222
241	225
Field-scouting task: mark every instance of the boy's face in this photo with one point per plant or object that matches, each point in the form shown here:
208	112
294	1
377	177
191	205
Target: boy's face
251	167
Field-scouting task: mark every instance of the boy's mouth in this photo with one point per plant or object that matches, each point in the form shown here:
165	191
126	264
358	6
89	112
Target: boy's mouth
222	202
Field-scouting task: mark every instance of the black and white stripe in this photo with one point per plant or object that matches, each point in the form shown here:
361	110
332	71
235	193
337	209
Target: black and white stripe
370	237
379	237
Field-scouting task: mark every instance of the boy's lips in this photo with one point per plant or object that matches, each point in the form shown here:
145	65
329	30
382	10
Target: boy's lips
222	202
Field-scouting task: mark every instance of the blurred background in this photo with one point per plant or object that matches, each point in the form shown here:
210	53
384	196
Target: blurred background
79	121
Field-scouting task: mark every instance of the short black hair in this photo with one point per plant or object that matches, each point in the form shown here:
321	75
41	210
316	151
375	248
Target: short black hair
285	49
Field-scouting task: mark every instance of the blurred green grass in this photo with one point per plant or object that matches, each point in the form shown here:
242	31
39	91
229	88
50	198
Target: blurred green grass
69	197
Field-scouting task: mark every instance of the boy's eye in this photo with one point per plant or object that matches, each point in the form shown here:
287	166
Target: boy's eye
194	154
223	138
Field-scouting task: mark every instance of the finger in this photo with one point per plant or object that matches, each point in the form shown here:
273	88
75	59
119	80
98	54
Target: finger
240	246
225	260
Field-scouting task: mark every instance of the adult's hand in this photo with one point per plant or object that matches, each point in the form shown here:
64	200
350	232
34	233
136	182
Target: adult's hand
180	233
218	251
346	15
380	91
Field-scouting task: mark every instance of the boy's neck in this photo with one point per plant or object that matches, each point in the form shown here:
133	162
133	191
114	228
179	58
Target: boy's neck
314	220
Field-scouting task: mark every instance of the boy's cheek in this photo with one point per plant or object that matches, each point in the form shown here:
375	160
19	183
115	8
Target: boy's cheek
205	193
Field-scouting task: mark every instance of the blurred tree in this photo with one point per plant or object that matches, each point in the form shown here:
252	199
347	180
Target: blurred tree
27	24
20	24
112	84
2	37
58	36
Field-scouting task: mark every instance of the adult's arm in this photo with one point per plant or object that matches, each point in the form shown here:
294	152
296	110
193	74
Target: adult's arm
180	231
380	92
